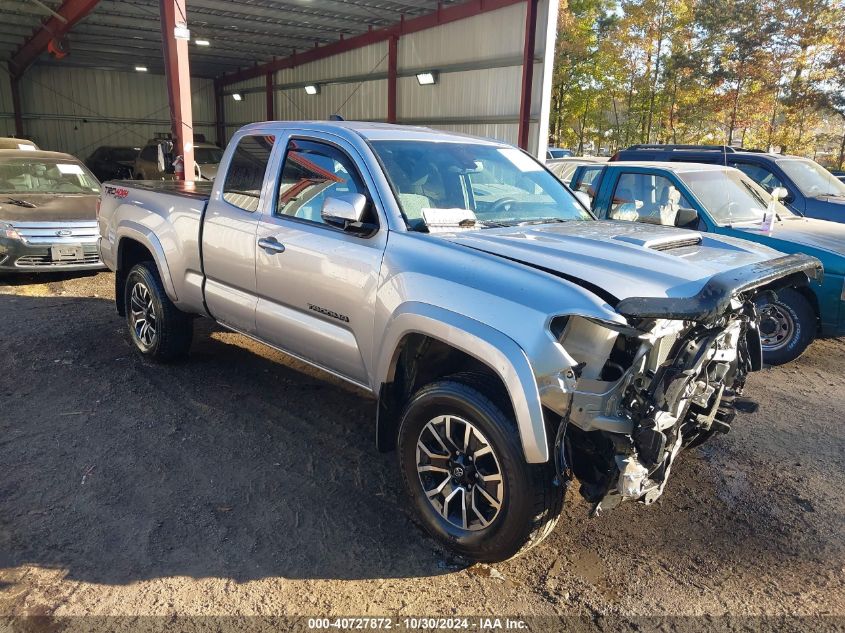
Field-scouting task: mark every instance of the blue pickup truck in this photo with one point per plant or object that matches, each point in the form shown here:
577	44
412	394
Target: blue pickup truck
723	200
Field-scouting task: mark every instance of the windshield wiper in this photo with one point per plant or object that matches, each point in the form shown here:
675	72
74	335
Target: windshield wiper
492	223
541	221
21	203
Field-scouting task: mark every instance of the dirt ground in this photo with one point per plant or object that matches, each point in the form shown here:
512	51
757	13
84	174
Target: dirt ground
241	482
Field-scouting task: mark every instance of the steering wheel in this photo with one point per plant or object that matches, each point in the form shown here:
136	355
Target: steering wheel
501	205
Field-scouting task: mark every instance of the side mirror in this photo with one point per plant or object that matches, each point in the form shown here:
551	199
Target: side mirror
346	211
584	197
779	193
686	217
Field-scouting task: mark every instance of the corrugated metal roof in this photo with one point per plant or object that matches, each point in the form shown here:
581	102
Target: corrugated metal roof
122	34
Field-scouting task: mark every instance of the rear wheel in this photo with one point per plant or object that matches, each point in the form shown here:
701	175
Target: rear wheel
787	327
462	463
158	328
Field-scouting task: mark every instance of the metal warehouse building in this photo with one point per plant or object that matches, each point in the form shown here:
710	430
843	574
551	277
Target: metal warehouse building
79	74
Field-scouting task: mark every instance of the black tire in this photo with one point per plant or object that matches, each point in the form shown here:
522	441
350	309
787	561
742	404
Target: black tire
173	329
792	317
530	500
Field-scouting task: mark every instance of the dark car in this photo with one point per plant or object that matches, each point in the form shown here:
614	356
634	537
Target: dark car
112	163
812	191
48	217
839	174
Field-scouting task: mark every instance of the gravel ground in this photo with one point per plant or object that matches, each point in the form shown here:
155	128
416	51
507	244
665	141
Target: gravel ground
241	482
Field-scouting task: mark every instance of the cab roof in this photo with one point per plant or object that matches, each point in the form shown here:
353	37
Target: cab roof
12	142
375	131
679	167
24	153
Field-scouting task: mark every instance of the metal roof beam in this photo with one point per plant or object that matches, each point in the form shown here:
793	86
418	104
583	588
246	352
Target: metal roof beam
201	23
251	37
340	17
249	14
90	61
136	53
72	11
246	47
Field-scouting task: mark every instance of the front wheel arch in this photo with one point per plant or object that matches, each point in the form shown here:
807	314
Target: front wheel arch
492	348
421	359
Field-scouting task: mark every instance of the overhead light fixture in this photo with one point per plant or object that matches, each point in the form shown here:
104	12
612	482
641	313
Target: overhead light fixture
427	79
202	42
141	69
312	89
237	96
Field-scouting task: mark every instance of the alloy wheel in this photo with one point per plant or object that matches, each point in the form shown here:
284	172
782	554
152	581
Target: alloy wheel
459	472
143	315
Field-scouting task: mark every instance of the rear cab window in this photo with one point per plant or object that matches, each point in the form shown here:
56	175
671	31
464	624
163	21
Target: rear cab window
247	168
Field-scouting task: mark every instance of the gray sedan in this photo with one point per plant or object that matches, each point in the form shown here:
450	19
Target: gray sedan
48	205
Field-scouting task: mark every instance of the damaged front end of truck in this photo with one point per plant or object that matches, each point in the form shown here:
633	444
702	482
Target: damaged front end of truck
668	379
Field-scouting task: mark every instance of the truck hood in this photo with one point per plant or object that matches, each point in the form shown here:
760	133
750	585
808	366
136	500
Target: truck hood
828	236
620	259
49	207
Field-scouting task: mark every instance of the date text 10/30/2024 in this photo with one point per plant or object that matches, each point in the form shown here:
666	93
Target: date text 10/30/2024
418	623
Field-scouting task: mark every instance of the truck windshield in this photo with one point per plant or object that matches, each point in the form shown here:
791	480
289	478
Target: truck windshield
729	196
500	185
811	178
44	175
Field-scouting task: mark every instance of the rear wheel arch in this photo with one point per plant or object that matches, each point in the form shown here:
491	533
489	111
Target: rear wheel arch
135	245
129	252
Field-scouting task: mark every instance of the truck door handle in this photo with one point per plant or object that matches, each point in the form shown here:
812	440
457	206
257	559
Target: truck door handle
271	244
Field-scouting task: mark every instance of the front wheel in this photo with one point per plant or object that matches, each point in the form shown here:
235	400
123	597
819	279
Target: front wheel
462	463
158	328
787	327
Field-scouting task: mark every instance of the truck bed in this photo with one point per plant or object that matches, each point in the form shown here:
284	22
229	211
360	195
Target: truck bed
199	190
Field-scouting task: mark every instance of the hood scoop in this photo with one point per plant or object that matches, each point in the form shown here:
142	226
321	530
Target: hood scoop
663	242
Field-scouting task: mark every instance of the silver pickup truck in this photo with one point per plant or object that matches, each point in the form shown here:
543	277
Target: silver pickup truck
513	342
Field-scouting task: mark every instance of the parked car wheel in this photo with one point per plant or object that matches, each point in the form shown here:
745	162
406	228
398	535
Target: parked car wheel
787	327
158	328
462	463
